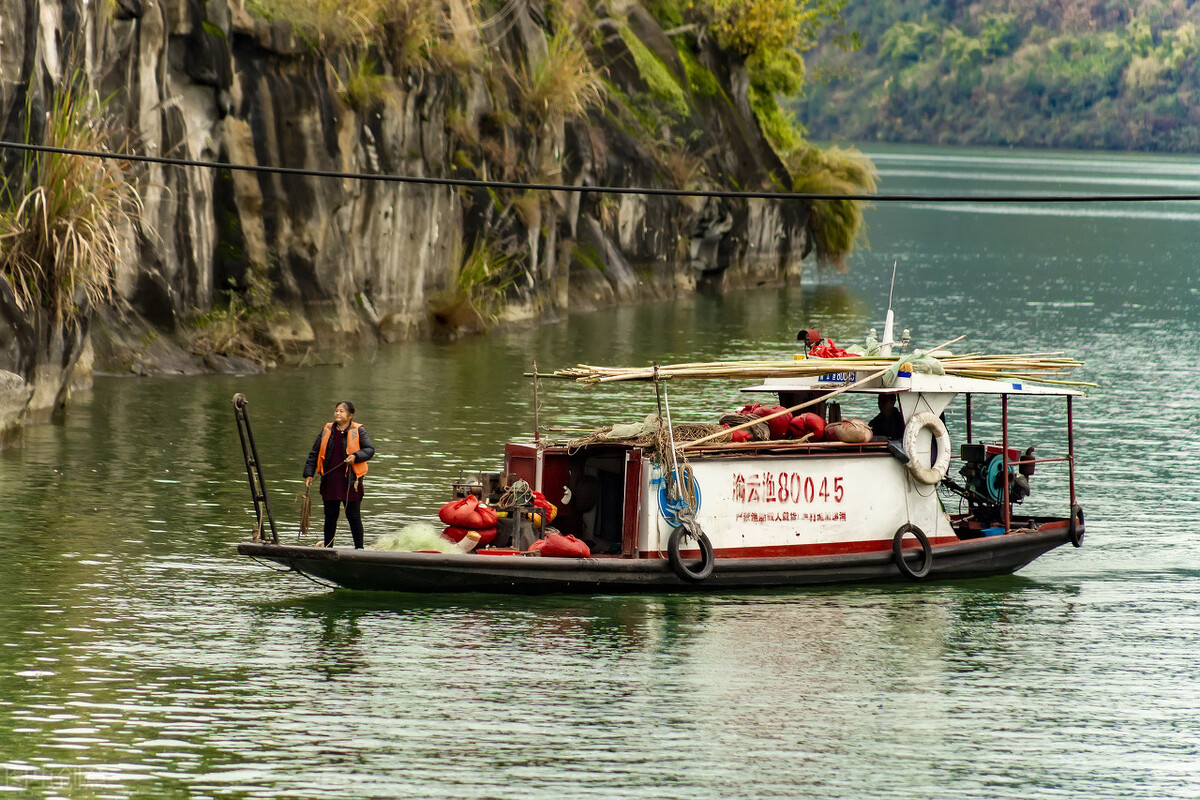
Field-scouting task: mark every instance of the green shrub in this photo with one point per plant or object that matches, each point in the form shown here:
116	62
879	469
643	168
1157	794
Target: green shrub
747	27
908	42
835	225
240	326
999	34
477	296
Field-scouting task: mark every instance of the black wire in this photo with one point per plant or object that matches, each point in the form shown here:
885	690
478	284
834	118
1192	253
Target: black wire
553	187
273	569
289	568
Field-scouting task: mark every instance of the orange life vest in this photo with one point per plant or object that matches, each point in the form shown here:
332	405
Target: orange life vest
359	467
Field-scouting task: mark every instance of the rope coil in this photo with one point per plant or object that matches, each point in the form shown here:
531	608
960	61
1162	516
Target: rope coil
518	494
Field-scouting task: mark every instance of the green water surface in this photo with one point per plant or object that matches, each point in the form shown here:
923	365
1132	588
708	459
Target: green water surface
141	657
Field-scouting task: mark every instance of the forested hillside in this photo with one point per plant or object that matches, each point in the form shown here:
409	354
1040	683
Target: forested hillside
1089	74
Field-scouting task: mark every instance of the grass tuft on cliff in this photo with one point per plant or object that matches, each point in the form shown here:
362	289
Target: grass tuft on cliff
473	304
367	86
408	29
62	216
835	225
563	83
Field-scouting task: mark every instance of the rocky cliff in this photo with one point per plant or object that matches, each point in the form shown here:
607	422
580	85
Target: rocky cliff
353	260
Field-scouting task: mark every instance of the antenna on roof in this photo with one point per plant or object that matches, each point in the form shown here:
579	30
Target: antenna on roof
889	323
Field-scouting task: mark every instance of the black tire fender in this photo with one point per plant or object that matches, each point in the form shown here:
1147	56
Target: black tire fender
689	572
926	561
1075	529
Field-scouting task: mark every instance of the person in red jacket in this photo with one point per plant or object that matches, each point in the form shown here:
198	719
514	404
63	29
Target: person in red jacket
339	456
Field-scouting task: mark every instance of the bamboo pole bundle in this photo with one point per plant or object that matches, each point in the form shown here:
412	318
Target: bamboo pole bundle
1033	367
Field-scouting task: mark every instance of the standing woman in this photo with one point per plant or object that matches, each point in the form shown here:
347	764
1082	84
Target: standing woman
339	456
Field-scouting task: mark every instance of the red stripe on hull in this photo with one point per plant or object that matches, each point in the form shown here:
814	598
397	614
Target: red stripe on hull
799	550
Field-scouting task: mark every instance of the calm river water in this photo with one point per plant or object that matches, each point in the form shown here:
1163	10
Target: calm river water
140	656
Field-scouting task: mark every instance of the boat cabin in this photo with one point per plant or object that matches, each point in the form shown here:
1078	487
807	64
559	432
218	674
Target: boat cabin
804	497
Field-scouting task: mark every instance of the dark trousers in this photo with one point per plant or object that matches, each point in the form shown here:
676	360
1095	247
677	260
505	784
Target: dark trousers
352	516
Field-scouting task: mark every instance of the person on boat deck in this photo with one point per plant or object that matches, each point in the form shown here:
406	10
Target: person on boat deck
889	422
339	456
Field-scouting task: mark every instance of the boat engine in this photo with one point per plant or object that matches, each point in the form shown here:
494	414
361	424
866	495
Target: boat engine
984	476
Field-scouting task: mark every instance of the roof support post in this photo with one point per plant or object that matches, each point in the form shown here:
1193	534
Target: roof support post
1004	462
968	417
1071	448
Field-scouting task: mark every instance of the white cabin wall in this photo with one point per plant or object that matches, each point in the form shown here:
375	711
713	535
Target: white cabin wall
877	496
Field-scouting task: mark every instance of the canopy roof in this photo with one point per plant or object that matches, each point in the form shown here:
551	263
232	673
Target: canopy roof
909	382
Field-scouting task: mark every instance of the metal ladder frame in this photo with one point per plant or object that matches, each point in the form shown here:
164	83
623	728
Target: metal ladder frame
258	490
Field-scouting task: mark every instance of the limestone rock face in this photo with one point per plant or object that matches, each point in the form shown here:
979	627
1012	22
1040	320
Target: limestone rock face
15	395
353	260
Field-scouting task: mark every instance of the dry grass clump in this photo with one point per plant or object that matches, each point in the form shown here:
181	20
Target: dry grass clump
682	169
563	83
409	33
528	208
367	86
407	30
62	215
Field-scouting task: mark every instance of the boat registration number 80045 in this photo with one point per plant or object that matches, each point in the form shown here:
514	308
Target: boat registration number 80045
787	487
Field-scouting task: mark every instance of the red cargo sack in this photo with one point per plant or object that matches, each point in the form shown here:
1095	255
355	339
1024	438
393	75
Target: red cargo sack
549	510
487	516
828	349
807	422
778	425
468	513
456	512
558	546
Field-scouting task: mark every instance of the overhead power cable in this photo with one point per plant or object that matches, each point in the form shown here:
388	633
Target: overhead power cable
471	183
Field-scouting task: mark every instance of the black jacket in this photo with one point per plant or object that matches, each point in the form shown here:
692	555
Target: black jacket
890	426
365	451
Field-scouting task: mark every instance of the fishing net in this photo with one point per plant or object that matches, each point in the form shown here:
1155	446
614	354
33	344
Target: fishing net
684	432
417	536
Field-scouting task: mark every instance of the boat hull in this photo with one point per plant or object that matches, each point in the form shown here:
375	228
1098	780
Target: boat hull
518	574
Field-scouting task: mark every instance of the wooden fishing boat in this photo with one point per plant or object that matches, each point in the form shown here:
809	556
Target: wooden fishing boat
709	513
